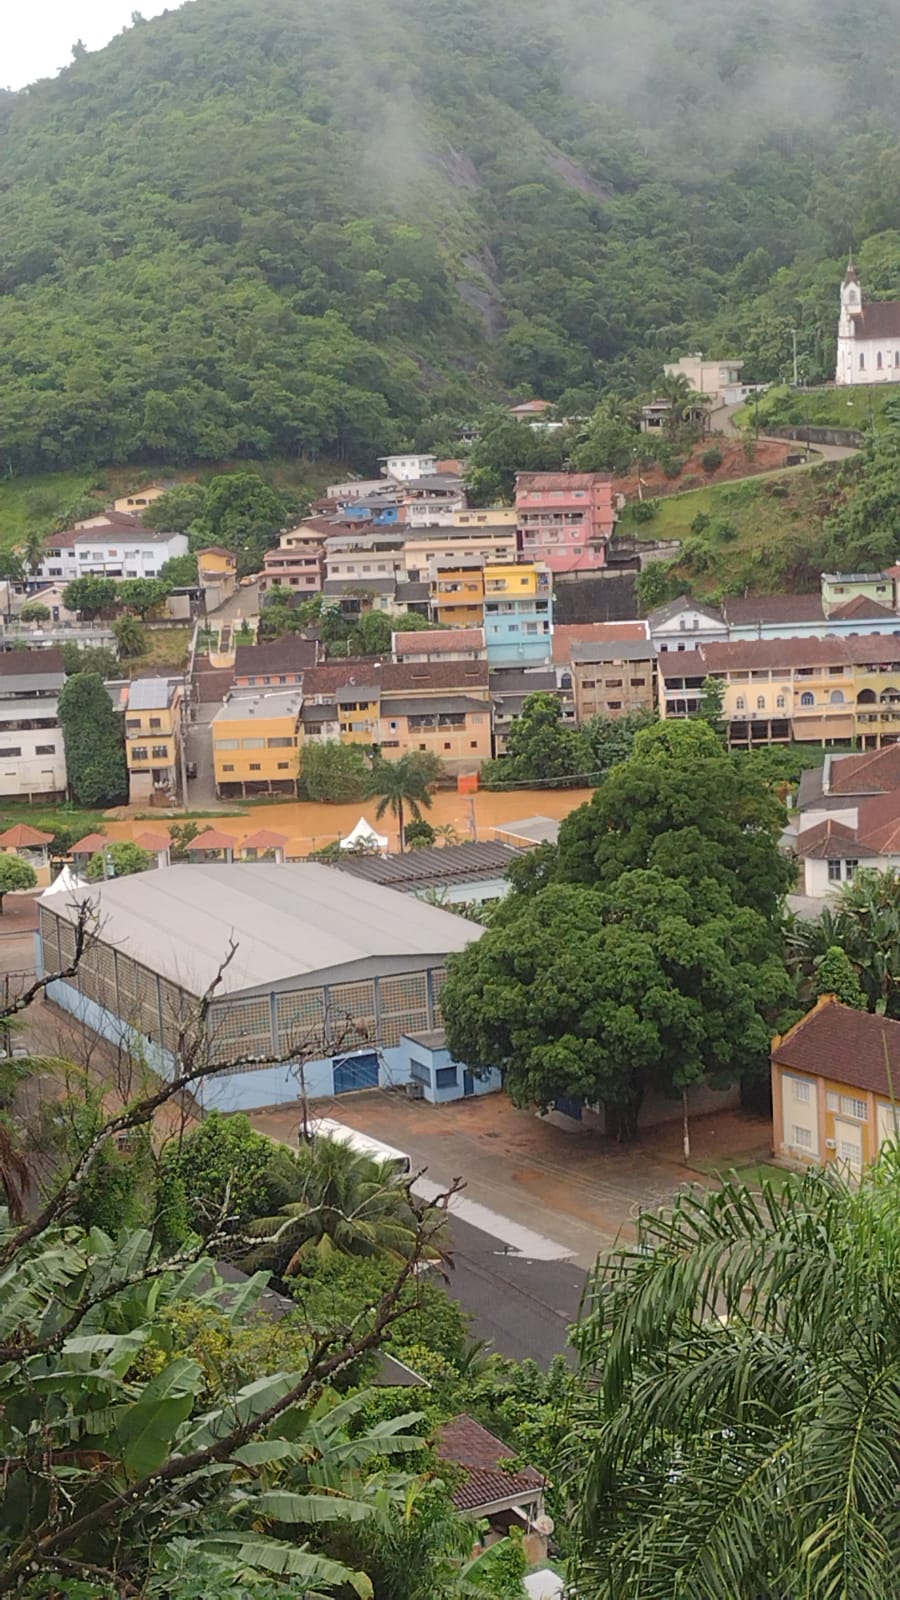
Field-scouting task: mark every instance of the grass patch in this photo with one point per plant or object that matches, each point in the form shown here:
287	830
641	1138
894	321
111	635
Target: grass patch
169	647
49	818
762	536
857	406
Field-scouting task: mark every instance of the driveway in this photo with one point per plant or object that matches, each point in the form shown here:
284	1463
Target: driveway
201	795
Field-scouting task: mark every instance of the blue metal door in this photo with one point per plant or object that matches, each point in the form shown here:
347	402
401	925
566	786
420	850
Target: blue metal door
570	1107
355	1072
468	1082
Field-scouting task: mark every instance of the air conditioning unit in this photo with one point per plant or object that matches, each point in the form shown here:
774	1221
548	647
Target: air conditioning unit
830	1144
415	1090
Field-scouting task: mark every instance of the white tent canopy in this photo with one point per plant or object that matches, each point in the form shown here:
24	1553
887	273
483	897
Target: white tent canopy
364	837
66	883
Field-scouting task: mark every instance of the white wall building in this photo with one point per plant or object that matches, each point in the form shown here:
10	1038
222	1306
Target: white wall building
720	380
684	623
32	755
404	469
109	546
868	346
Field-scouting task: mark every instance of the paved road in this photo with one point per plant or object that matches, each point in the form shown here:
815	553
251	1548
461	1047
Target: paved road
523	1307
201	795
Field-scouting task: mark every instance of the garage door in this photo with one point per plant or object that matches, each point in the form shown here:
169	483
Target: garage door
355	1072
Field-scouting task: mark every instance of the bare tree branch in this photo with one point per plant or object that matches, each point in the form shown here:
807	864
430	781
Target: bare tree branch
13	1007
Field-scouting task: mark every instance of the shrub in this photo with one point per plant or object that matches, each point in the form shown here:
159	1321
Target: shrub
644	510
724	530
711	460
701	522
674	468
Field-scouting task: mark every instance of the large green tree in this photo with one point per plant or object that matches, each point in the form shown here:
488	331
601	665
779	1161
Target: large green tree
736	1430
542	748
684	805
94	738
143	595
118	859
90	595
15	873
332	771
601	994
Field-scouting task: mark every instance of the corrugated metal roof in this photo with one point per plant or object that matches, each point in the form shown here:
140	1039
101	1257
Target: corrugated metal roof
149	694
288	922
432	867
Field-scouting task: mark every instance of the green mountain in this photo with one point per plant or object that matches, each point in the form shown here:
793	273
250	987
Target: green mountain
258	227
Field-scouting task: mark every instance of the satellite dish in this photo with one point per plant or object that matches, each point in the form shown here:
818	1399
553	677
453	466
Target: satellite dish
544	1526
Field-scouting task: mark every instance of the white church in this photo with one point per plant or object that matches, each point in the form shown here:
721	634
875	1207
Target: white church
868	346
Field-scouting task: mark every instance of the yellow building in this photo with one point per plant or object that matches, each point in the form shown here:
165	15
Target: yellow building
494	542
153	735
217	575
256	737
488	516
457	591
358	710
835	1083
139	499
824	691
455	728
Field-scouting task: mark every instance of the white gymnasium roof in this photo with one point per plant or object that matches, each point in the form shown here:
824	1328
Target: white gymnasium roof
289	922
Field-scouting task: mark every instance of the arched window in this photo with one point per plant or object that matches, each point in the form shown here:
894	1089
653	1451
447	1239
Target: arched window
780	702
807	699
741	703
837	697
878	361
897	358
760	702
862	360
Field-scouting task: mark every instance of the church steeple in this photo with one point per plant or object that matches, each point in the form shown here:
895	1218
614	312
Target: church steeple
851	295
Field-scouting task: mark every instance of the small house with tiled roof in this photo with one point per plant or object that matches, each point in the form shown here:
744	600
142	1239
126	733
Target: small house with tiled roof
491	1487
835	1085
861	834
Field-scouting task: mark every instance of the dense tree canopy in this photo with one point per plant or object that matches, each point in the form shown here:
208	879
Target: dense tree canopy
330	249
94	737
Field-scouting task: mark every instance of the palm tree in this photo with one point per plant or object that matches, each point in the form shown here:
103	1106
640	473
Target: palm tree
739	1423
349	1204
865	923
403	783
33	550
130	638
446	833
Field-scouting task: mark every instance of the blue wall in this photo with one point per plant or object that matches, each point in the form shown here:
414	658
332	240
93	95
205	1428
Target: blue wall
430	1061
234	1091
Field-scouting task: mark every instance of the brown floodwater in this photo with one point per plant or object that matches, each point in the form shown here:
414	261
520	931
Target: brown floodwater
308	826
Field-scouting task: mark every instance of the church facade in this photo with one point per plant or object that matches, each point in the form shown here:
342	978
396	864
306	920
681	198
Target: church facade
868	346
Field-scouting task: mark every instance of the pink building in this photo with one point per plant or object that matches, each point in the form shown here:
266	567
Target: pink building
564	518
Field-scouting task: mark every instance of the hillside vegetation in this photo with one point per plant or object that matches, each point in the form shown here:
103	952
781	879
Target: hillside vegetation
257	229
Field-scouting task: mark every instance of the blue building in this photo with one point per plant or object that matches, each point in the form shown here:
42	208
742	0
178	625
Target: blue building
518	614
327	976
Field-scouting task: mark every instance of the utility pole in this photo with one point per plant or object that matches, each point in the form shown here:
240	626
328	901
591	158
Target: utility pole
794	340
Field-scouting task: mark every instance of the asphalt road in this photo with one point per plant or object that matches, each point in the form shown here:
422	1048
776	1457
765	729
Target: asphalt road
523	1307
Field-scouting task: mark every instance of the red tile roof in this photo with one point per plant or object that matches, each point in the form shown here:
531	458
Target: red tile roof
468	1445
878	824
152	841
848	1046
213	839
90	844
264	839
441	639
871	772
22	836
570	633
828	840
682	664
858	650
773	608
409	676
860	606
878	319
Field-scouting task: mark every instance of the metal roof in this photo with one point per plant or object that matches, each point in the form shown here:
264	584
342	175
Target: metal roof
433	867
289	922
433	705
592	652
264	703
149	694
532	830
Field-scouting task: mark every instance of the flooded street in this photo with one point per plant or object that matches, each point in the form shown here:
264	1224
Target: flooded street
309	826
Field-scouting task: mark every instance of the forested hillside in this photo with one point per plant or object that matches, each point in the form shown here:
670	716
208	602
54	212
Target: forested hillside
253	227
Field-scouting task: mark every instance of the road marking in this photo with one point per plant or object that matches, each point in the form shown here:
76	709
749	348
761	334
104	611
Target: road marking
521	1241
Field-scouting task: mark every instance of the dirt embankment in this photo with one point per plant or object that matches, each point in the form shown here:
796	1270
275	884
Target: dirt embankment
737	462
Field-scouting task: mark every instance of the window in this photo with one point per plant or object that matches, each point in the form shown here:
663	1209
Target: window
284	766
862	361
850	870
45	749
447	745
279	744
801	1091
851	1107
878	361
155	723
160	752
614	705
833	1101
760	702
139	752
228	744
849	1152
779	702
740	703
801	1137
255	766
807	699
419	1071
228	767
638	683
612	683
834	872
473	744
253	744
445	1078
12	750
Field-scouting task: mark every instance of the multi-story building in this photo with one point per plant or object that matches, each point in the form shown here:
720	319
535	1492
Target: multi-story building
366	555
827	691
834	1087
32	754
433	501
684	623
510	688
216	575
153	735
442	707
610	680
457	591
565	519
518	614
256	737
298	563
109	546
490	542
445	644
406	468
839	589
277	664
136	503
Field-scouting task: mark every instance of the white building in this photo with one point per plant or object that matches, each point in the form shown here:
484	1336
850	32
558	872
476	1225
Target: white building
32	755
684	623
404	469
868	346
720	380
109	546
